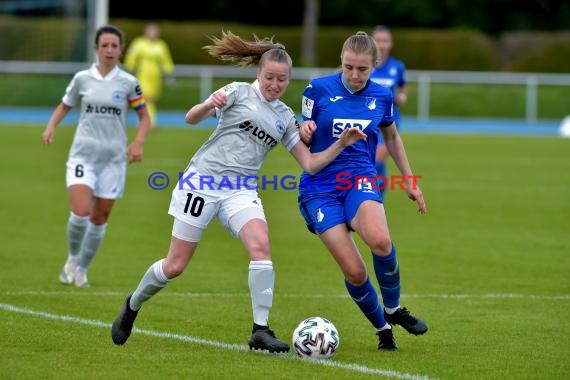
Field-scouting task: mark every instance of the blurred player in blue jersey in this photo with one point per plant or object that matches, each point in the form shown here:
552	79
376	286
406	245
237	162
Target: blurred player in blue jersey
391	73
343	197
97	161
251	122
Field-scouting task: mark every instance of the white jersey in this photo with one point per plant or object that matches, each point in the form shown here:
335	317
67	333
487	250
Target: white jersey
101	132
248	128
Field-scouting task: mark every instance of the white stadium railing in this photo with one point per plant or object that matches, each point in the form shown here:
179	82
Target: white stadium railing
424	79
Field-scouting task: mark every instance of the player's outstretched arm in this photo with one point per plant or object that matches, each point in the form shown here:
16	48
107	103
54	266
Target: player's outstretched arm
314	162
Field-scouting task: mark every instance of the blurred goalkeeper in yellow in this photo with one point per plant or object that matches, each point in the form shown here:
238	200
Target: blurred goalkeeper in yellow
148	57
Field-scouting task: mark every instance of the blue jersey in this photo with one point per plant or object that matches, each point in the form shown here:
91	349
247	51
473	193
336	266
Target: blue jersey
333	108
391	74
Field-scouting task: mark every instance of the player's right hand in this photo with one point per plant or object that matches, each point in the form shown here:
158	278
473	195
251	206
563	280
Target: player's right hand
47	136
218	99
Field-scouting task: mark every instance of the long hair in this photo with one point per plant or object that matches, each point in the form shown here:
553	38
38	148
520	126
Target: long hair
234	49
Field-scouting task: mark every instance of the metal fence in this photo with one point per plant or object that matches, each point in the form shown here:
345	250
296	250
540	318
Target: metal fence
424	79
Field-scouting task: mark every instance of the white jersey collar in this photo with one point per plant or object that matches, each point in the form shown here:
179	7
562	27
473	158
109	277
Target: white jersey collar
255	86
109	76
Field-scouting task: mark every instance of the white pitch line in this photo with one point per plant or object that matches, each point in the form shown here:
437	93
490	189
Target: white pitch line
236	347
232	295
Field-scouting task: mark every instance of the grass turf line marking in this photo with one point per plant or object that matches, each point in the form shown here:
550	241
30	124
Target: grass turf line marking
76	292
206	342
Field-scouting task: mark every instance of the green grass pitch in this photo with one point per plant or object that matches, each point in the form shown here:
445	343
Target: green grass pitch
488	268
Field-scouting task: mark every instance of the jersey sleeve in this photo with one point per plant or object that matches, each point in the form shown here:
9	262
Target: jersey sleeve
291	135
308	103
136	98
388	118
71	96
232	93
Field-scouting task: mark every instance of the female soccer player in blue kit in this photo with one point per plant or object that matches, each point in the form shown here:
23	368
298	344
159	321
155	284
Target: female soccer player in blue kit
389	72
345	100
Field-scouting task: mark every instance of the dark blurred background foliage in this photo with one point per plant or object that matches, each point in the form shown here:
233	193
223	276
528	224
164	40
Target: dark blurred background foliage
480	35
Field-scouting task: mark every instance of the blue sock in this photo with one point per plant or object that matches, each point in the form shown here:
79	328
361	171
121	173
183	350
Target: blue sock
366	298
382	183
388	275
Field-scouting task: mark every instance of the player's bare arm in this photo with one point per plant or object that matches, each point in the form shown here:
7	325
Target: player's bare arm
396	148
57	116
207	108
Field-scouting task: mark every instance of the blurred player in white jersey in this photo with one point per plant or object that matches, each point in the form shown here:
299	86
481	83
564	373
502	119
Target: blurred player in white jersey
220	180
97	161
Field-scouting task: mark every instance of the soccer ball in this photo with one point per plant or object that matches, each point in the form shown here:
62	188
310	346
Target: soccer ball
316	338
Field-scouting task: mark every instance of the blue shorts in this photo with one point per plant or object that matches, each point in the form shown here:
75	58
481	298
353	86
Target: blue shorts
326	209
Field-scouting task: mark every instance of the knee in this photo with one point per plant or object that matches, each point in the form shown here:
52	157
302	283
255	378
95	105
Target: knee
99	217
356	276
173	268
381	246
259	248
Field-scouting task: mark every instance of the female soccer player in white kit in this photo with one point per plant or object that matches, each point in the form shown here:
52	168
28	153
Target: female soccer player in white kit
251	121
97	161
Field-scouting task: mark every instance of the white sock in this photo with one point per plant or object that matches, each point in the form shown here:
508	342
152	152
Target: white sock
91	242
261	281
385	327
76	227
391	310
152	282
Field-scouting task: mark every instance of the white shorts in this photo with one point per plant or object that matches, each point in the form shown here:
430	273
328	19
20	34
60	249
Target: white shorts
197	208
107	180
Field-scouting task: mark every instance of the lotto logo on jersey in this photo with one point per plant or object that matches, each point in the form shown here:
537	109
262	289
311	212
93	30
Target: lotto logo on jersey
340	125
104	110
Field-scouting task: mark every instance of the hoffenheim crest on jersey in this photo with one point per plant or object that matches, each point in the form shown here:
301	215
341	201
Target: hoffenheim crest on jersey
371	103
280	126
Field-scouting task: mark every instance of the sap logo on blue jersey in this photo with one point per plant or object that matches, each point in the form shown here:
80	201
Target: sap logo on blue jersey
340	125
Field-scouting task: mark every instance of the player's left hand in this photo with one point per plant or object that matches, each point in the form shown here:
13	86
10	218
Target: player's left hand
414	193
135	152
